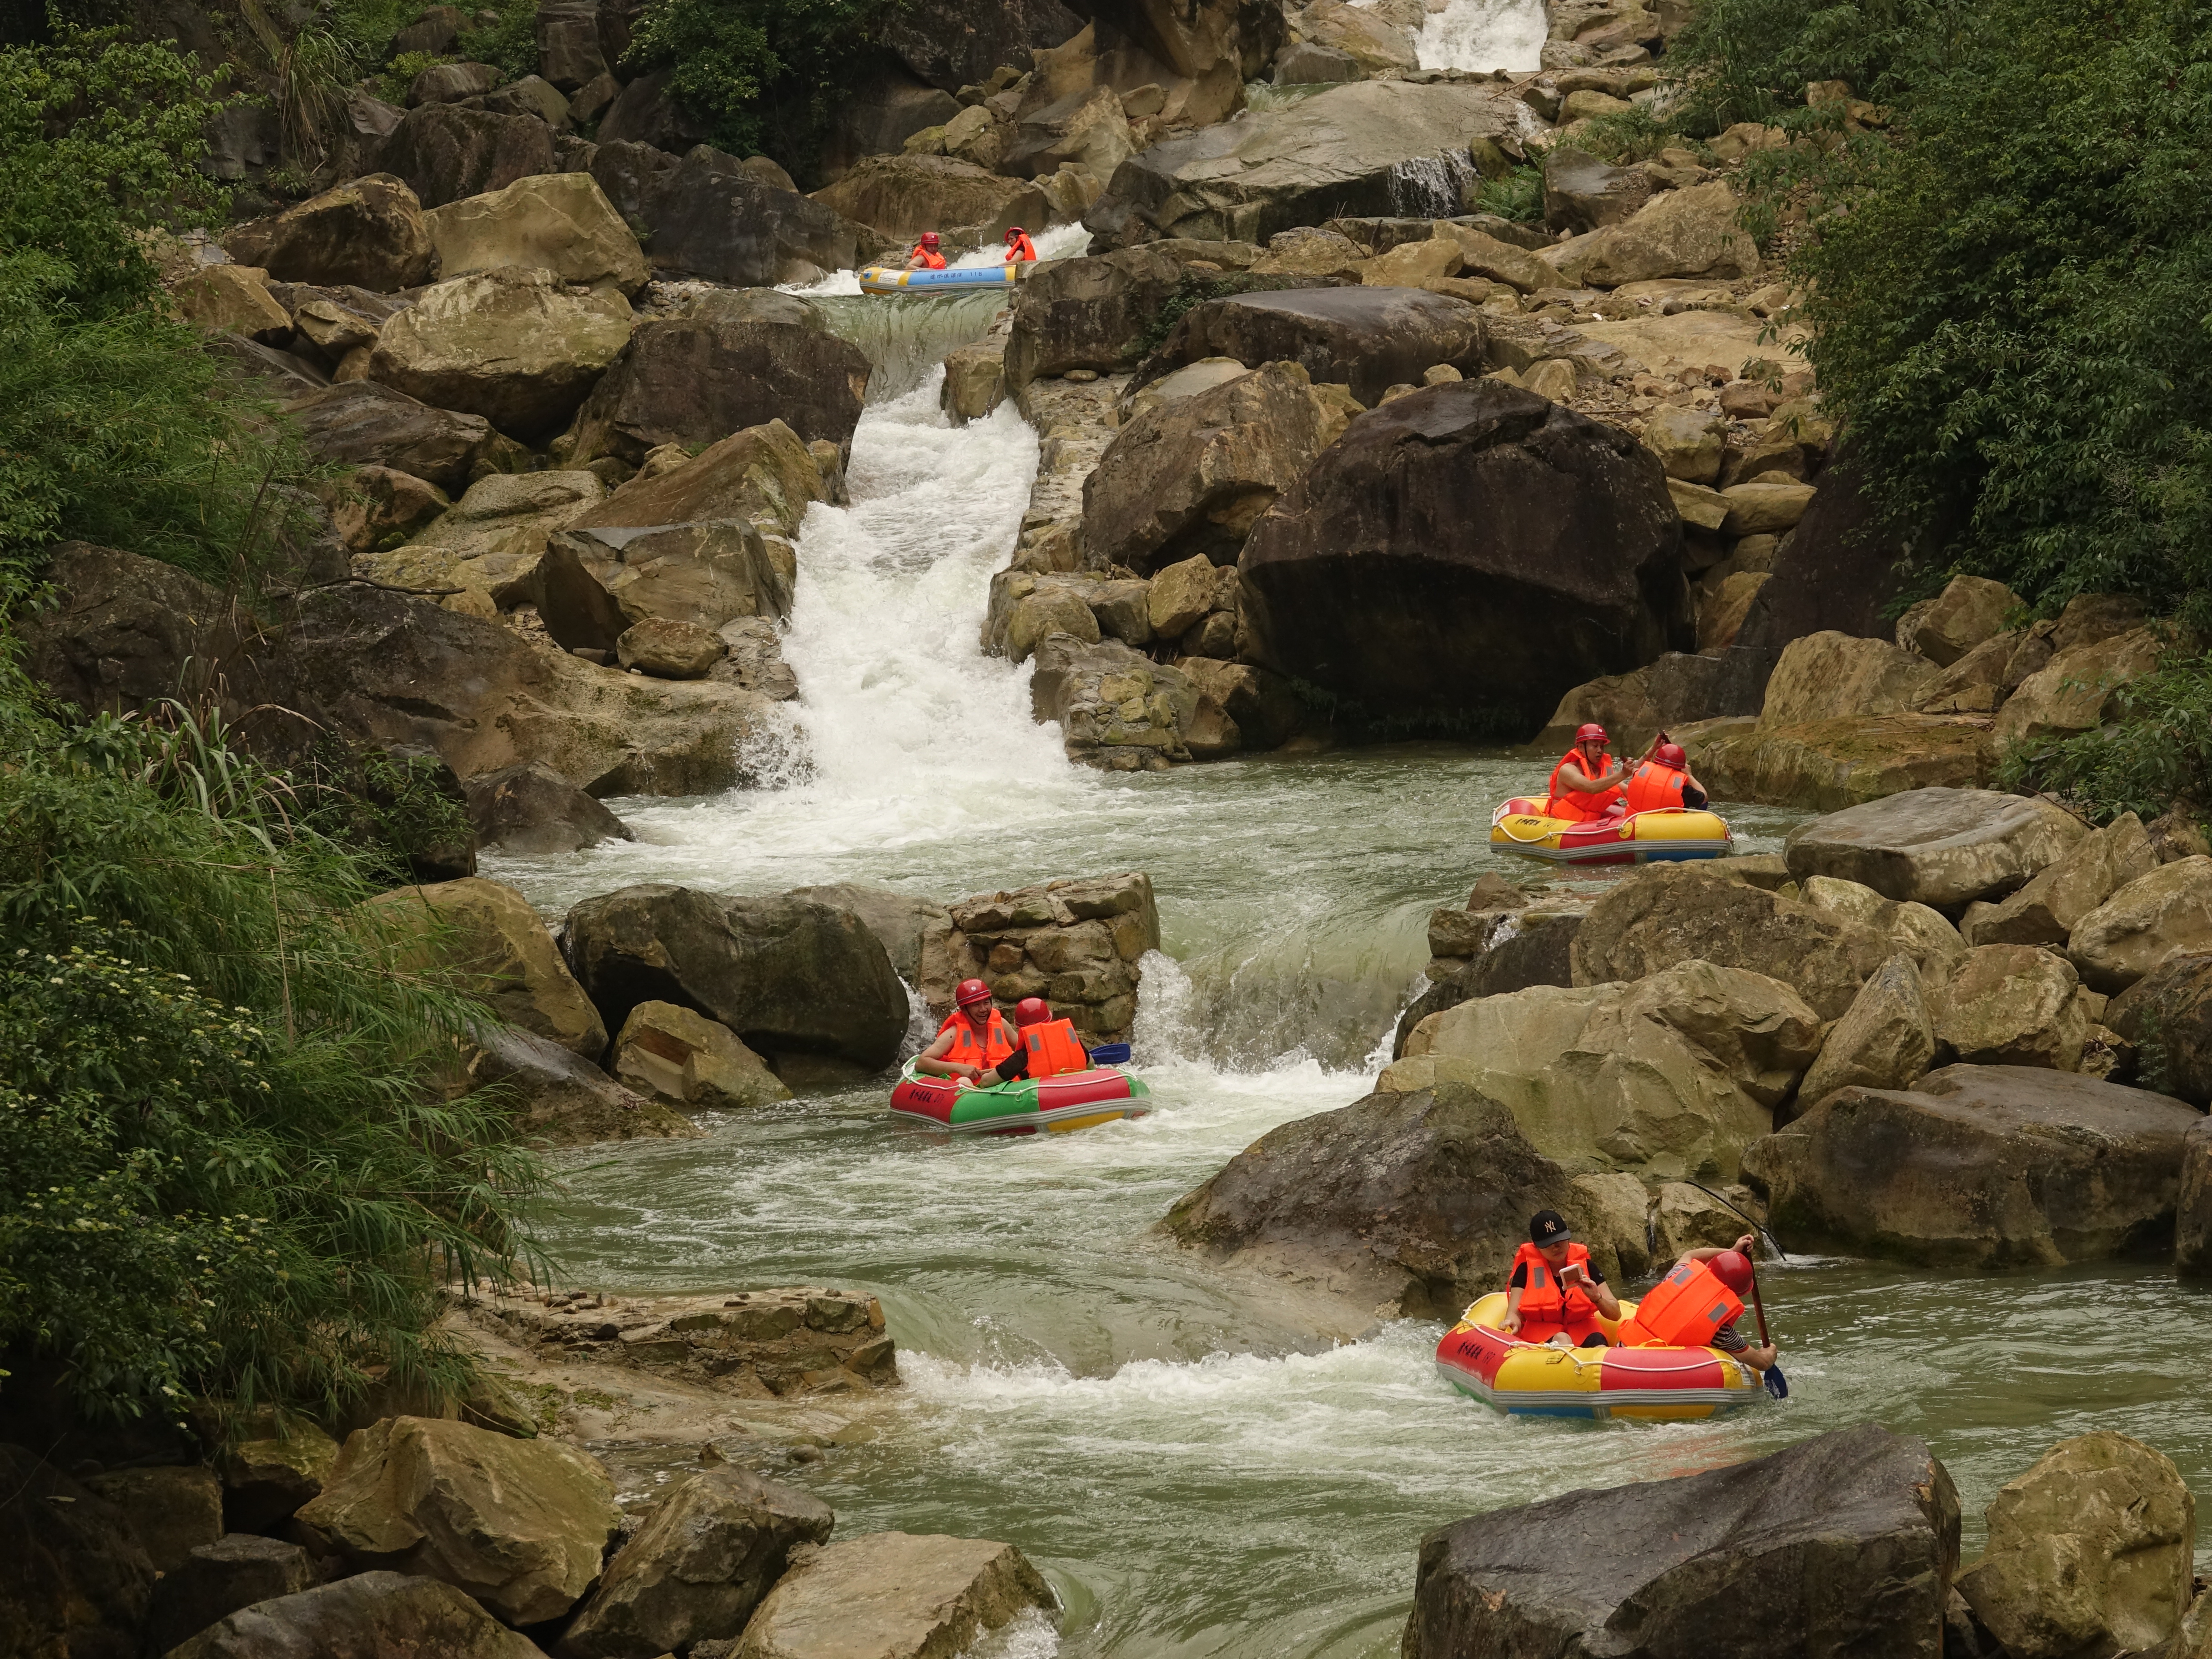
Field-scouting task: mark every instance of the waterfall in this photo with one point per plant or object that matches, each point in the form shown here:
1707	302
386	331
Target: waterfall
1431	186
1483	35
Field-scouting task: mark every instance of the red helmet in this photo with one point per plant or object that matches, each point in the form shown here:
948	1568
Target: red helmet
971	991
929	238
1014	231
1670	754
1733	1269
1031	1011
1592	733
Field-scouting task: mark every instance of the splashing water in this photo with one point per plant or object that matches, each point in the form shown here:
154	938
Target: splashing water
1431	186
1484	35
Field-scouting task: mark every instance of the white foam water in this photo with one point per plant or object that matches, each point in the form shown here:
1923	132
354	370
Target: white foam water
1484	34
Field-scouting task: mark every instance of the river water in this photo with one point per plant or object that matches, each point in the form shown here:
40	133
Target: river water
1197	1464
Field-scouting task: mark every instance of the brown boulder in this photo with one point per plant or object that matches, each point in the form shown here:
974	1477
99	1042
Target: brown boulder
764	472
1087	313
2164	911
903	196
372	1615
446	154
530	809
490	937
362	423
557	221
1368	338
1942	848
2167	1015
2056	897
368	231
691	1061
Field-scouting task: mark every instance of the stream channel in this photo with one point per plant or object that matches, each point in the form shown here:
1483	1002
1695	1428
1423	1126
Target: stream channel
1197	1469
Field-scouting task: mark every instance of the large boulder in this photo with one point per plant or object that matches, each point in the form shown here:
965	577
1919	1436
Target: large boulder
1831	676
521	1525
2164	911
1087	313
558	1098
1078	941
695	382
1494	952
371	1615
950	45
1828	765
2167	1015
78	1581
2011	1005
712	216
763	474
903	196
1845	1543
216	1579
1669	1078
2091	1551
358	422
1921	932
696	1567
790	976
1668	915
1367	338
2081	688
1084	129
899	921
370	231
1944	847
1466	554
1968	611
268	1475
1364	147
1192	475
2193	1220
1416	1199
175	1510
1679	232
1582	193
689	1062
1116	709
597	584
893	1596
489	937
514	346
557	221
1884	1040
2055	899
1987	1166
446	153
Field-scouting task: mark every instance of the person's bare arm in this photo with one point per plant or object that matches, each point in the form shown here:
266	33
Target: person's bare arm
1513	1309
1582	784
1598	1291
1743	1247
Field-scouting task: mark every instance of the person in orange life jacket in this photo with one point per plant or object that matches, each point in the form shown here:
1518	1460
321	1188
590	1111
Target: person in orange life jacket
928	254
974	1043
1727	1270
1664	780
1586	780
1051	1044
1556	1288
1019	245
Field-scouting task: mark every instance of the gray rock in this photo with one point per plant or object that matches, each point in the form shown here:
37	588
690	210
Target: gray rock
711	217
445	154
1581	193
569	50
648	112
1884	1040
1367	338
1087	313
1088	688
215	1580
362	423
696	1567
373	1615
530	810
952	46
1843	1544
893	1596
1306	64
562	1099
2193	1226
77	1581
898	919
1944	847
1532	946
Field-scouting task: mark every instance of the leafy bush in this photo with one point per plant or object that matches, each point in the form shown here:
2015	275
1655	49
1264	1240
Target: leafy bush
1519	196
2157	753
222	1168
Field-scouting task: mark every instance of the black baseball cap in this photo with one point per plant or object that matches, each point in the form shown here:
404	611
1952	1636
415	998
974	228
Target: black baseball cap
1549	1227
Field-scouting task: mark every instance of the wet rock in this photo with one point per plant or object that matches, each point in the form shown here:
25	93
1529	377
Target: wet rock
2168	910
1830	676
1967	613
1087	313
78	1582
369	1616
903	196
1364	147
2167	1015
216	1579
695	382
1944	847
445	154
1583	193
487	936
974	380
1850	1538
791	977
1827	766
689	1061
1884	1040
1669	1078
362	422
1670	914
1367	338
899	921
562	1099
557	221
2079	691
1115	707
1989	1166
367	231
1508	951
511	345
1463	551
2089	1552
1192	476
268	1476
2055	899
2011	1005
521	1525
234	300
698	1566
173	1511
893	1596
712	216
1077	942
531	810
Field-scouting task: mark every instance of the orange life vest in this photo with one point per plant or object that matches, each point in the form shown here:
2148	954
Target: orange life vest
1567	804
1055	1048
1021	247
1542	1300
929	261
968	1049
1655	787
1684	1309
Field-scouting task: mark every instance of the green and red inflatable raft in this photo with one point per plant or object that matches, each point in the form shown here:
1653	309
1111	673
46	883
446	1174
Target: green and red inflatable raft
1026	1106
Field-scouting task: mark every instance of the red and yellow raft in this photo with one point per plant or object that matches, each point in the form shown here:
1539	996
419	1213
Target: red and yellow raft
1670	835
1533	1379
1072	1100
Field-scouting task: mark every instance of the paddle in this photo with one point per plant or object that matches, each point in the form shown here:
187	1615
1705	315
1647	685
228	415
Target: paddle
1776	1383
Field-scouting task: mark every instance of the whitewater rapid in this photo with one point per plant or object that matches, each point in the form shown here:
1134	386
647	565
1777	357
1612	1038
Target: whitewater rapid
1483	35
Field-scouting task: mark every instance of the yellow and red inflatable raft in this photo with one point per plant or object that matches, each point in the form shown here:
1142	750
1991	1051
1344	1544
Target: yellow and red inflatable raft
1533	1379
1671	834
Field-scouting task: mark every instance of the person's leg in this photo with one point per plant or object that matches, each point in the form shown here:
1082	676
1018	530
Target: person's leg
1594	1340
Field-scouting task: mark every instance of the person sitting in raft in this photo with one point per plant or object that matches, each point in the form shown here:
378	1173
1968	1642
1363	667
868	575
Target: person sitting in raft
1664	780
928	253
1019	245
974	1044
1698	1303
1051	1044
1586	780
1557	1293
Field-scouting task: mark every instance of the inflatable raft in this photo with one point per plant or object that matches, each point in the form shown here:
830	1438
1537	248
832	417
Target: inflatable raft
953	279
1073	1100
1674	835
1533	1379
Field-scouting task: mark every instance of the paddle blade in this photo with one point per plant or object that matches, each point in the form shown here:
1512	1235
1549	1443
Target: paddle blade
1111	1054
1777	1384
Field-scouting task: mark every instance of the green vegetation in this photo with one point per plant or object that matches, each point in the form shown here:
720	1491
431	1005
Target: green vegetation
2157	753
1519	196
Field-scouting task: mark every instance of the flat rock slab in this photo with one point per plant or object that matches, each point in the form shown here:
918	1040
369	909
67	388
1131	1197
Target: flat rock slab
1830	765
1990	1166
1843	1545
1944	847
893	1596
